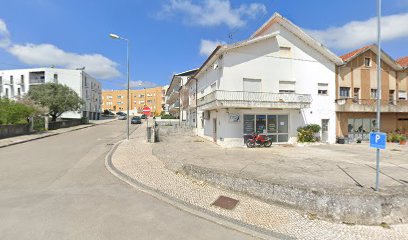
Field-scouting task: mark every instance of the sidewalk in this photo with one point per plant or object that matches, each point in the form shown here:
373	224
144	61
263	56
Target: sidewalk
26	138
133	162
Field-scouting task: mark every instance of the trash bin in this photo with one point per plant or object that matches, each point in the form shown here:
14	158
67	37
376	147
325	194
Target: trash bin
149	134
341	140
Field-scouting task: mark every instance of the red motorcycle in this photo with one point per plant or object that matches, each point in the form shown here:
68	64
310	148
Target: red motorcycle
257	140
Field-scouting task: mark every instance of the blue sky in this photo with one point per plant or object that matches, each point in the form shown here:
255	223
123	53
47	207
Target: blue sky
169	36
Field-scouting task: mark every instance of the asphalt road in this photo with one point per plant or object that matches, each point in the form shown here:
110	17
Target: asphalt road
58	188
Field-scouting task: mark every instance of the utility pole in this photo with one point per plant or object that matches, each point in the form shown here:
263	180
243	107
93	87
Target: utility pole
377	177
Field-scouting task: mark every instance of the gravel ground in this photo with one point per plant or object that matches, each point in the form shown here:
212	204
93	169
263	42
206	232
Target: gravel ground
134	158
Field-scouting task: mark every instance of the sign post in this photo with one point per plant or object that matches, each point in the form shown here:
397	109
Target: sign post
378	140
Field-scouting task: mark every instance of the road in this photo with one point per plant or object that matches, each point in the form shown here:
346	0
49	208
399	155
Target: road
58	188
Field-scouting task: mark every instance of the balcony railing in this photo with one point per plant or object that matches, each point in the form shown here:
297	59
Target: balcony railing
220	98
370	105
36	81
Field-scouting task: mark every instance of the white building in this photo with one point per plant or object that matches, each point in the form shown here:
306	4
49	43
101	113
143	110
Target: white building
16	83
177	94
274	82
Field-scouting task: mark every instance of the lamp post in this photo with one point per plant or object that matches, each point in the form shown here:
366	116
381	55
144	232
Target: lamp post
378	120
114	36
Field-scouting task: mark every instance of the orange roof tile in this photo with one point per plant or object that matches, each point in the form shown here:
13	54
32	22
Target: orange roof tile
403	61
349	55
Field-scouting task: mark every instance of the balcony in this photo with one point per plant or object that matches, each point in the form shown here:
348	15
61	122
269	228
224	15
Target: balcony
240	99
370	105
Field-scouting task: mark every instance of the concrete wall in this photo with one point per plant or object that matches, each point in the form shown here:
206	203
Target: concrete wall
14	130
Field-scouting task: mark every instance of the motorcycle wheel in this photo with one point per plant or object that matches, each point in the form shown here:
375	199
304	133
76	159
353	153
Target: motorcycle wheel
250	144
268	144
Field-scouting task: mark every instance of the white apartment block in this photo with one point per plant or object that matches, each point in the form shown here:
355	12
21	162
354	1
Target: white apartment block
274	82
16	83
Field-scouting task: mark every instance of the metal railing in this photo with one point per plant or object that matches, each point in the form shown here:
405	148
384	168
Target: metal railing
242	96
355	104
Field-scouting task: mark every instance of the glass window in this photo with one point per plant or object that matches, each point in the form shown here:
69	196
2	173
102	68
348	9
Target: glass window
283	124
367	62
402	95
272	124
260	123
322	88
249	124
373	93
344	92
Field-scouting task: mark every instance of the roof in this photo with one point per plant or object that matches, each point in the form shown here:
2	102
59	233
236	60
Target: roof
403	61
373	47
257	37
297	31
186	73
346	57
177	76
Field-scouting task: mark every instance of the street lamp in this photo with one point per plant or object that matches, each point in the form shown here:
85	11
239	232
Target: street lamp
114	36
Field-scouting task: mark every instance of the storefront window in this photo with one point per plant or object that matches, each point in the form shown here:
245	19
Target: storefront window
249	124
276	126
260	123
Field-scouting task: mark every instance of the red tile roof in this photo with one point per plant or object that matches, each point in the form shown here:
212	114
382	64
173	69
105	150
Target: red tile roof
349	55
403	61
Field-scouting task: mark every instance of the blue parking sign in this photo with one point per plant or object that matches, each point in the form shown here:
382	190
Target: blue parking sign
378	140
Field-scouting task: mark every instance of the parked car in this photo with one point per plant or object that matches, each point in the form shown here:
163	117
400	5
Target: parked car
136	120
120	113
122	117
143	116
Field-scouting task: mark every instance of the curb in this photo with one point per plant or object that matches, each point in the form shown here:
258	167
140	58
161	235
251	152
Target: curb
230	223
51	134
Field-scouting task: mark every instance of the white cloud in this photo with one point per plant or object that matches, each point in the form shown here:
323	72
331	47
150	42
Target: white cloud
50	55
212	12
4	35
208	46
46	55
139	84
357	33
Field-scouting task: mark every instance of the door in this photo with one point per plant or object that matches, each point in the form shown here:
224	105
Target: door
215	130
325	130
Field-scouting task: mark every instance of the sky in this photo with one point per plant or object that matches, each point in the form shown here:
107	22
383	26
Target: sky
172	36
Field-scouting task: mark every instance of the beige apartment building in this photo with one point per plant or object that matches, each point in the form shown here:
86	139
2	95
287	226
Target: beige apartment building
116	100
356	91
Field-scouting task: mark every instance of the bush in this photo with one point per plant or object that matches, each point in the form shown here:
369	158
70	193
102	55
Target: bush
307	133
12	112
168	116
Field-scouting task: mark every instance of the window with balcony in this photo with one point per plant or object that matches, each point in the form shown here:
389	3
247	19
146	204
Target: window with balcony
11	79
373	94
367	62
391	99
322	89
402	95
344	92
356	95
252	85
213	87
287	86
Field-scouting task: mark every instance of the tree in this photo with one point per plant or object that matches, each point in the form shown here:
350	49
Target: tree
56	97
12	112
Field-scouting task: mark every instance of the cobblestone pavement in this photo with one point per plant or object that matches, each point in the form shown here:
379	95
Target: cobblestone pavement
134	159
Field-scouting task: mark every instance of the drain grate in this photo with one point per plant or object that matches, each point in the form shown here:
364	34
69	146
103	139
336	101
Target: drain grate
225	202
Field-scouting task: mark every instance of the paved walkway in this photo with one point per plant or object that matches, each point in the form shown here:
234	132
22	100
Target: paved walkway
134	162
30	137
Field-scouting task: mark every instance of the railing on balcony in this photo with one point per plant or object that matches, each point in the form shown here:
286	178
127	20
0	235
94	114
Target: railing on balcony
36	81
370	105
255	99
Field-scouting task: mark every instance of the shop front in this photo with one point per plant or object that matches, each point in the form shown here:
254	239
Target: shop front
273	125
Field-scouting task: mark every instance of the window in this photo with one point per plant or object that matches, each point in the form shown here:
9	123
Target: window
251	85
391	97
287	86
120	96
367	62
275	126
22	78
141	102
7	93
213	86
55	76
109	97
141	96
322	88
344	92
149	101
11	79
120	103
402	95
86	82
285	52
373	93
